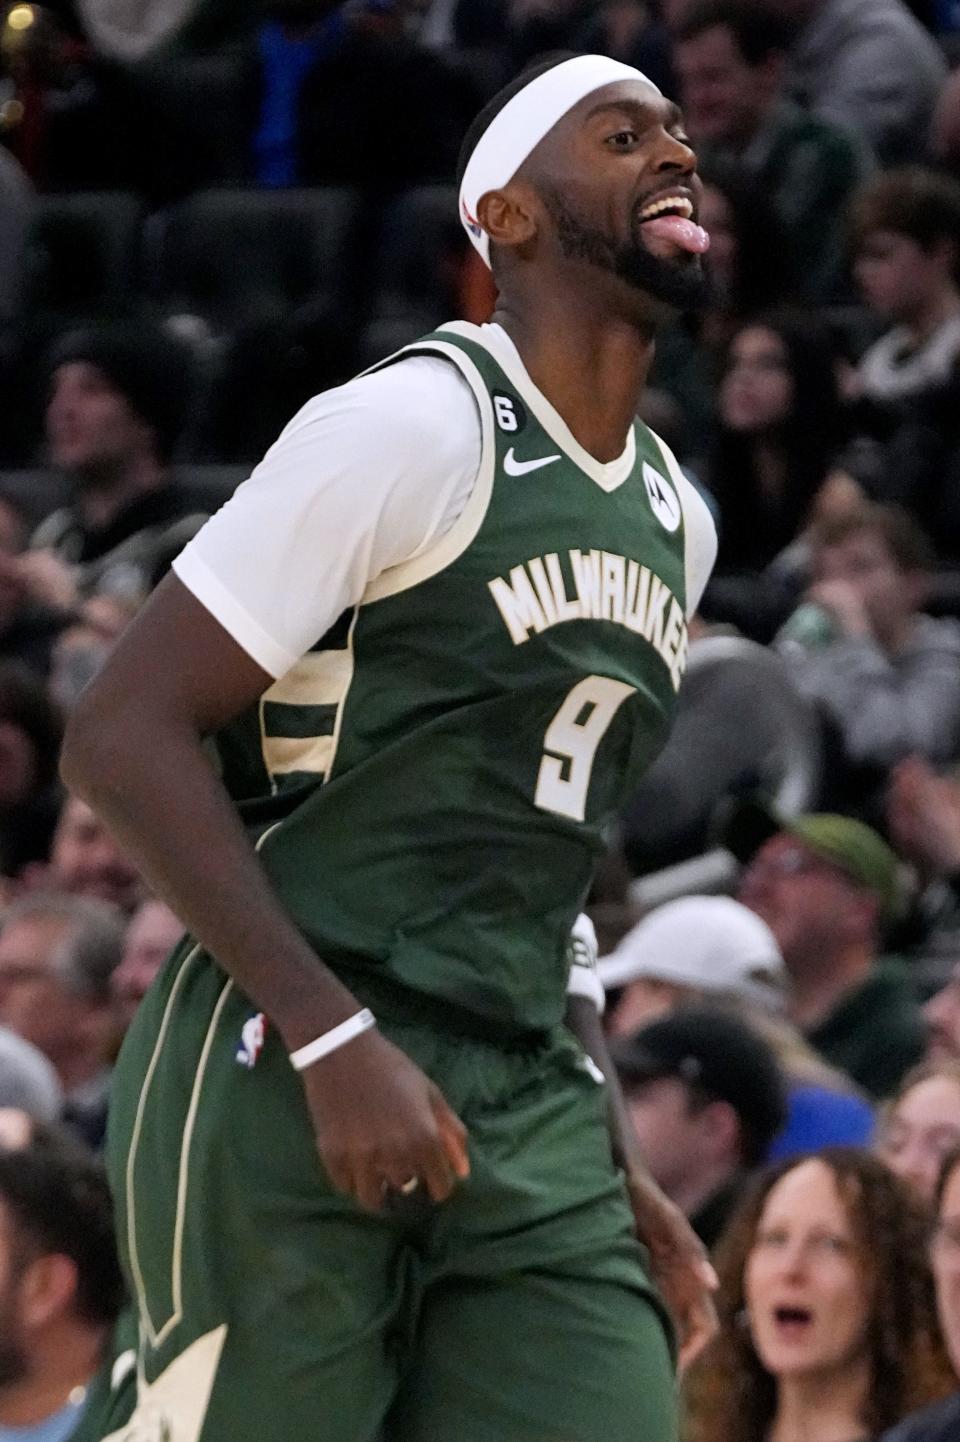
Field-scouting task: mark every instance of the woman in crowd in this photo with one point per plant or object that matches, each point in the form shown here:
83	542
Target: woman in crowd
827	1320
778	435
748	275
923	1125
941	1422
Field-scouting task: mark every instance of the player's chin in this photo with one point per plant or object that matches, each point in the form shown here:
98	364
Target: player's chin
680	282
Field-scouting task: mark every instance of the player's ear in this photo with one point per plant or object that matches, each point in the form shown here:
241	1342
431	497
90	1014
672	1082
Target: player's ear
507	216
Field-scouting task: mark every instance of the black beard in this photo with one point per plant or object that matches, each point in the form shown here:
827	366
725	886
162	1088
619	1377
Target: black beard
681	284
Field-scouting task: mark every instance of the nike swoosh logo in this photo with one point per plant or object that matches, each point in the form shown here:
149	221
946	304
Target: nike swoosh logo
513	467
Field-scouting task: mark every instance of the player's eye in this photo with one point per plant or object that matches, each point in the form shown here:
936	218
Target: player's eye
623	139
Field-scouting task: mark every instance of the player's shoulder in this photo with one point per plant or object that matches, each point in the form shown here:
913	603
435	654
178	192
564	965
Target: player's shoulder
696	512
699	526
414	394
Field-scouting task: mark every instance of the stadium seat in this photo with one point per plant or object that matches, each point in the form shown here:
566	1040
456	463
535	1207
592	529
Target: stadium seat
192	117
82	257
421	248
233	256
35	493
416	270
267	370
38	492
210	485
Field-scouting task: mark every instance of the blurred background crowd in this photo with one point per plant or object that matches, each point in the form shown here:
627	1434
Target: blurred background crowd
212	209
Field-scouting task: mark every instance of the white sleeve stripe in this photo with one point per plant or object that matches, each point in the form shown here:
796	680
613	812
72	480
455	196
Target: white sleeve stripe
210	591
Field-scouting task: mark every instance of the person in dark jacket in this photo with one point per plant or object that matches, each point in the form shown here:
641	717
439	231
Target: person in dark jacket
118	403
706	1098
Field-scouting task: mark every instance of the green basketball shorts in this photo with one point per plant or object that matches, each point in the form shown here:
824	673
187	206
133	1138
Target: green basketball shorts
272	1309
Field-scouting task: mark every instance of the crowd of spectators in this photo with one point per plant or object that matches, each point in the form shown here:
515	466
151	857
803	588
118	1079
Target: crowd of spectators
211	209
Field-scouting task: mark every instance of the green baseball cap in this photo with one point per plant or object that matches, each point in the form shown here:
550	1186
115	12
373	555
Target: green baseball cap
851	846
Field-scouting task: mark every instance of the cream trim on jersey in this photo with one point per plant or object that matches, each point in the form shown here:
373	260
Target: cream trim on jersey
320	678
261	720
341	704
463	532
174	1407
285	755
699	531
156	1336
608	476
183	1179
139	1286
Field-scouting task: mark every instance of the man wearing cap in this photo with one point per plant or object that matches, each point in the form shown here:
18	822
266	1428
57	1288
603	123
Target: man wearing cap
706	1099
28	1082
118	404
712	949
438	634
693	948
827	886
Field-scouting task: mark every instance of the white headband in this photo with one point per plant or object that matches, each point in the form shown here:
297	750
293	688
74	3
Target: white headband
521	125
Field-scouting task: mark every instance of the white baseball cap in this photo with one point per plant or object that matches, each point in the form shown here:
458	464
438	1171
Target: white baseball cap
710	943
28	1082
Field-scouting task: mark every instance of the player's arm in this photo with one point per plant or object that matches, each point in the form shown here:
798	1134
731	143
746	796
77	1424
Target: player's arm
134	751
678	1259
586	1002
327	511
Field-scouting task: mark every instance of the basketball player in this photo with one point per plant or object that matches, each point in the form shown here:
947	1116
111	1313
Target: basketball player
364	1184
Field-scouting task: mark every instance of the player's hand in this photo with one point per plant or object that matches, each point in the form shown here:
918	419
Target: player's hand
380	1122
679	1263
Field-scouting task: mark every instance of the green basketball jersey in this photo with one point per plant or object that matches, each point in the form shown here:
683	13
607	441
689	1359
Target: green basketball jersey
433	780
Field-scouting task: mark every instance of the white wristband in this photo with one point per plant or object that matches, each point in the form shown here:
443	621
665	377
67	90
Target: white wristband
305	1056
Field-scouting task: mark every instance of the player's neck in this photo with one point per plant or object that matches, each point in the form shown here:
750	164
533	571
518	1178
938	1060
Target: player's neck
592	369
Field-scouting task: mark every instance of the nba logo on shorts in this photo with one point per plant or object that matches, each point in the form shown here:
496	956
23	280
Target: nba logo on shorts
251	1040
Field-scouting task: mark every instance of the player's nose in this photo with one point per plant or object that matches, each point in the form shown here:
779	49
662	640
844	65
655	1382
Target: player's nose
674	154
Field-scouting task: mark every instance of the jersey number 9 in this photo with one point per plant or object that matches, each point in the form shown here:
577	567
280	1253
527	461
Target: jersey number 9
571	742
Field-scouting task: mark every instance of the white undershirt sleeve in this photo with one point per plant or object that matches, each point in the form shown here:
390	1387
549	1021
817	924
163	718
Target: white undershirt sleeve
365	477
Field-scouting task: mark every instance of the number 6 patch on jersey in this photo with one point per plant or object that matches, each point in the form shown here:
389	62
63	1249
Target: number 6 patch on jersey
509	411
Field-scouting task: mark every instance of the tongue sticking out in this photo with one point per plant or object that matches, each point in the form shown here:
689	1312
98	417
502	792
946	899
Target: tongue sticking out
681	231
